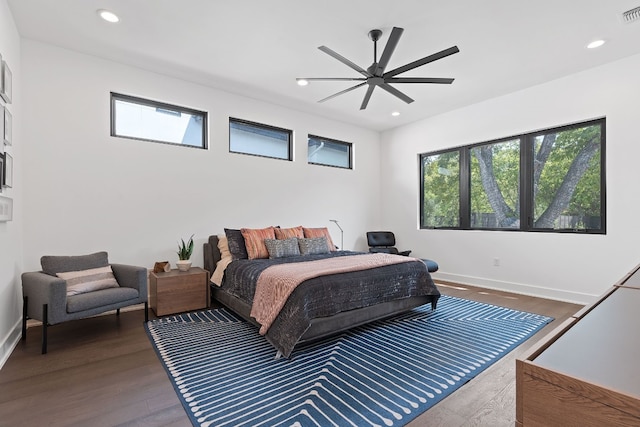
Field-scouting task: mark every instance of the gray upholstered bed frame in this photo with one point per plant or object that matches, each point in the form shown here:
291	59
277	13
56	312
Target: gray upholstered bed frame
323	326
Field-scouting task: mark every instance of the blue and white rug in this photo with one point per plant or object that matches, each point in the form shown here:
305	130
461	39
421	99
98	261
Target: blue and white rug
382	374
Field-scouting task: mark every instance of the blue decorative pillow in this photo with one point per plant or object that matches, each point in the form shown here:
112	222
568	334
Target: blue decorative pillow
282	248
237	247
313	246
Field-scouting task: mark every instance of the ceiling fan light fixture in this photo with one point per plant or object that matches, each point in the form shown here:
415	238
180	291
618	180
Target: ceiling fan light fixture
108	16
376	75
395	113
302	82
596	43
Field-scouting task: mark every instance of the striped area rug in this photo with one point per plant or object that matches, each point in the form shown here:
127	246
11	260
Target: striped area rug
382	374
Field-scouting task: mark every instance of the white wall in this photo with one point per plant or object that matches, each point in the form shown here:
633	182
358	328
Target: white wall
562	266
11	232
86	191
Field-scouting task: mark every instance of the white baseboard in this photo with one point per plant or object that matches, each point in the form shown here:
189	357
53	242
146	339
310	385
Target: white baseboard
10	342
518	288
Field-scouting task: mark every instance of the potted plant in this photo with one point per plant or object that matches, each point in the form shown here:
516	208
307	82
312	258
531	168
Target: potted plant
184	254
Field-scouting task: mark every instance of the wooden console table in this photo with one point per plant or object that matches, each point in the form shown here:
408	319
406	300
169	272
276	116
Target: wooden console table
587	371
178	291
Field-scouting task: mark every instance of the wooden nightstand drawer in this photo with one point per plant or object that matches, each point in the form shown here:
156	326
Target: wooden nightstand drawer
178	291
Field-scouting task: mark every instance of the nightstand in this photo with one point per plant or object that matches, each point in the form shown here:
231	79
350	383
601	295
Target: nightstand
178	291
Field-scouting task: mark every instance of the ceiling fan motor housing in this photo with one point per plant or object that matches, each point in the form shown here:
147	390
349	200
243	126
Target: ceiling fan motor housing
375	35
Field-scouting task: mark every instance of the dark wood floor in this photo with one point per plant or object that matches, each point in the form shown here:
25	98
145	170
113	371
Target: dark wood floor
103	371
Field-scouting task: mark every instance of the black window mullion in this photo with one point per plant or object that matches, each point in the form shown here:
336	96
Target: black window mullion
465	188
527	157
421	185
603	187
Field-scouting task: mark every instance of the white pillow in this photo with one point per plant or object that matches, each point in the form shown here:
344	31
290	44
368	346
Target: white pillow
93	279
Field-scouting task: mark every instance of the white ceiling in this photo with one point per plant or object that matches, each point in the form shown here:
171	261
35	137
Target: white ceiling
258	47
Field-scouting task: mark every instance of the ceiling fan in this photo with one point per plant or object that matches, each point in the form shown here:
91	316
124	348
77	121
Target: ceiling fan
375	75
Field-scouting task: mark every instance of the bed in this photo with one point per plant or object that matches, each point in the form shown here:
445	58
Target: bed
325	305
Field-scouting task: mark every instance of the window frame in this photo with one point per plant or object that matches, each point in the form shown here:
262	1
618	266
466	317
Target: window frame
349	146
289	132
114	96
527	157
462	176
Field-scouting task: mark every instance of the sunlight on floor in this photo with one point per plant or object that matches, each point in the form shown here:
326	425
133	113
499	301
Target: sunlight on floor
461	288
451	286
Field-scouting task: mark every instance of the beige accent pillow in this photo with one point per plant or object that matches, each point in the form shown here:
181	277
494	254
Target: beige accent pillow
225	260
223	246
93	279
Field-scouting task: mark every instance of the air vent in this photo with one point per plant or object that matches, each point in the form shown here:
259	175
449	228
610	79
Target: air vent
631	15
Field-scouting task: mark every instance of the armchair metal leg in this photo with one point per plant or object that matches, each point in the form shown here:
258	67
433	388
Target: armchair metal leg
146	311
45	317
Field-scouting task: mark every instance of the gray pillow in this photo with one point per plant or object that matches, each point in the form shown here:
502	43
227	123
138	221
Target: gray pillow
282	248
313	246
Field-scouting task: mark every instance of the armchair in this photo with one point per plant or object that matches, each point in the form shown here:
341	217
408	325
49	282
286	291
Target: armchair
46	297
385	241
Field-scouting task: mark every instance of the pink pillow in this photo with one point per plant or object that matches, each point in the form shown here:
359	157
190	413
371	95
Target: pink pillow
319	232
254	241
288	233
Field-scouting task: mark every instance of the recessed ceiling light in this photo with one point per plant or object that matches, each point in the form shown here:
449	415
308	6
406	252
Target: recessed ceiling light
302	82
594	44
395	113
108	15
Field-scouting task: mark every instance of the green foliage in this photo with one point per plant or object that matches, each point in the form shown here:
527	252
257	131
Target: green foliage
185	249
585	200
505	158
441	190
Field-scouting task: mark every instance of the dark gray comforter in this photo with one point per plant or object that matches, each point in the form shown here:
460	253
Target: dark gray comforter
327	295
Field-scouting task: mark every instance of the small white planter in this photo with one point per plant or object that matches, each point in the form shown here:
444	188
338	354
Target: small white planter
183	265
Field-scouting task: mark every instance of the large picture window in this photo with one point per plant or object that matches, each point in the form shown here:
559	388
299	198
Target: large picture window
552	180
259	140
329	152
143	119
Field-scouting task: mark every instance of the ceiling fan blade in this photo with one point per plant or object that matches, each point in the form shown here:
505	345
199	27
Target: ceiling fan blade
345	61
420	80
388	50
343	91
332	79
367	96
423	61
392	90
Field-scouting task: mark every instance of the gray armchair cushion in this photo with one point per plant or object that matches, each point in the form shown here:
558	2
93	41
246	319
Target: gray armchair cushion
53	265
101	298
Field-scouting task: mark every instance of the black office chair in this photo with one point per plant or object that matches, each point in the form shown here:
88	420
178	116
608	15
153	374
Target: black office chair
385	241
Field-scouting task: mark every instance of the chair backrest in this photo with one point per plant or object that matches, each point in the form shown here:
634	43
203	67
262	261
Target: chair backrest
53	265
381	239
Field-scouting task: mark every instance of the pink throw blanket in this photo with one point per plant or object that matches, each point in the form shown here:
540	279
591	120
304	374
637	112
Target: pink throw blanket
277	282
